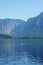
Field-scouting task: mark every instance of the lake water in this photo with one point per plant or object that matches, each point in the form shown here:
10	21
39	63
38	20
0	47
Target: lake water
21	51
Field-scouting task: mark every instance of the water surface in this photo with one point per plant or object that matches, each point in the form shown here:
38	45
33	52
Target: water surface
21	51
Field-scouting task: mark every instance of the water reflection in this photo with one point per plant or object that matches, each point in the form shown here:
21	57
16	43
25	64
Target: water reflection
21	52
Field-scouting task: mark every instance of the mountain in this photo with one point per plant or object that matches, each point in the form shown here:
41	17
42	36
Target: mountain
18	27
32	27
7	25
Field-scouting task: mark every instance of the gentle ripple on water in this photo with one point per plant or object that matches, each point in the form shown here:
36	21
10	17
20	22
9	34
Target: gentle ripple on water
19	60
21	52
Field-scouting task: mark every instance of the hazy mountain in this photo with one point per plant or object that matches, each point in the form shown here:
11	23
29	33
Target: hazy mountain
33	26
17	27
7	25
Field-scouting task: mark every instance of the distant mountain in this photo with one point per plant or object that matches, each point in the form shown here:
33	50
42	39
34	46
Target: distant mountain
7	25
32	27
17	27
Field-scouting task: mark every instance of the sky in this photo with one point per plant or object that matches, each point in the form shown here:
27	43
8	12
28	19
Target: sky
20	9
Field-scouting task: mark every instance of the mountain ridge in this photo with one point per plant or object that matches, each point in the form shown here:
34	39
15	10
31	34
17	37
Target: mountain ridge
18	27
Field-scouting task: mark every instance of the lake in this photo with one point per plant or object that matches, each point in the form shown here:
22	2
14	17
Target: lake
21	51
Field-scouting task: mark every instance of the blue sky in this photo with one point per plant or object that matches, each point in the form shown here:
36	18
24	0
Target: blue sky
20	9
